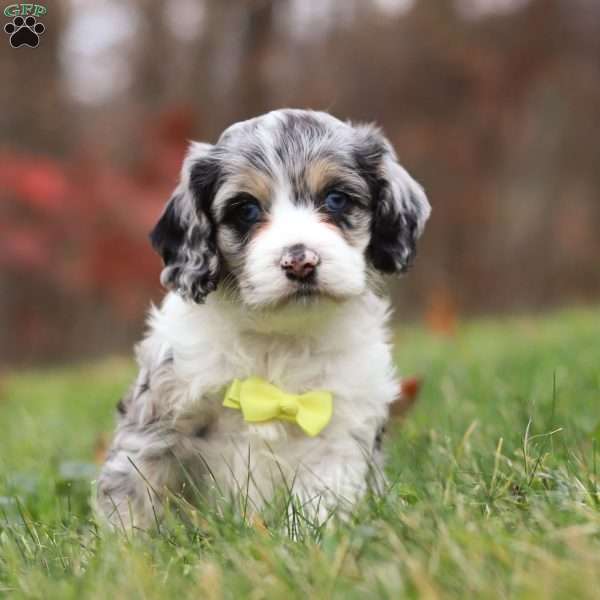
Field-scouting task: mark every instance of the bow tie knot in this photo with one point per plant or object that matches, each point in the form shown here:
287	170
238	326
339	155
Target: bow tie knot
289	406
260	401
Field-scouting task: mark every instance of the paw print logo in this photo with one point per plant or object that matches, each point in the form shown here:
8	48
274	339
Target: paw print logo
24	32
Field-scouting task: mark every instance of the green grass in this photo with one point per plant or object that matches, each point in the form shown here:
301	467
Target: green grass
494	488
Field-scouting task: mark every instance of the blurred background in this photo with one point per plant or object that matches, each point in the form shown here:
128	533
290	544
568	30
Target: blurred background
494	105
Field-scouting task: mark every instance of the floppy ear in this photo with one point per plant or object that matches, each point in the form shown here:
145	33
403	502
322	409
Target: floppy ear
185	233
400	211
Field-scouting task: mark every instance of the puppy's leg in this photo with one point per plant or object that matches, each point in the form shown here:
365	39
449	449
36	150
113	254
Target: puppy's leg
140	467
150	445
335	481
142	461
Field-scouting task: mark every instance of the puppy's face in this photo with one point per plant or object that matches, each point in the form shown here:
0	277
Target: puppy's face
287	207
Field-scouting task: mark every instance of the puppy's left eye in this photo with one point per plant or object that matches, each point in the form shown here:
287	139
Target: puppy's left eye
336	202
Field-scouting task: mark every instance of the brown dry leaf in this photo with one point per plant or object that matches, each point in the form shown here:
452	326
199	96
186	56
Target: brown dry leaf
408	395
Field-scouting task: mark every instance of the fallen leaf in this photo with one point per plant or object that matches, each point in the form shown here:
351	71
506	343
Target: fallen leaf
407	396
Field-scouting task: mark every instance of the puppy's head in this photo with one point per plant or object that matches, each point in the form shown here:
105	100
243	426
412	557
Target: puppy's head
289	206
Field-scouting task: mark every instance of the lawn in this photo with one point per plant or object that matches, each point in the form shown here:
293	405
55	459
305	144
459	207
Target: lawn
493	486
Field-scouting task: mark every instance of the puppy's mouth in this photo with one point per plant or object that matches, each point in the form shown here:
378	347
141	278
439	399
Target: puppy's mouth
305	292
308	293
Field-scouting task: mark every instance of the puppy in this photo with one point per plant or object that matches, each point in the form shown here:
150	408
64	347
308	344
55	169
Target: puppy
273	245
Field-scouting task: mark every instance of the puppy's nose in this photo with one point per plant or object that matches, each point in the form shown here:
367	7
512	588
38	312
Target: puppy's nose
299	262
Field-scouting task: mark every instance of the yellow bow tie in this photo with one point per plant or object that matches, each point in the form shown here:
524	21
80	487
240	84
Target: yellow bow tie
261	401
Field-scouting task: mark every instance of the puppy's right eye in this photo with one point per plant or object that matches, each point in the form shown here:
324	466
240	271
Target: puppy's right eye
245	210
249	213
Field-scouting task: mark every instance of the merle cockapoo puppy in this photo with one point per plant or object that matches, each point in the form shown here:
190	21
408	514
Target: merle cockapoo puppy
269	358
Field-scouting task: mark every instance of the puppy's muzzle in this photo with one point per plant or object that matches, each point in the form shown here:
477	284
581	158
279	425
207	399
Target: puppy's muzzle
299	263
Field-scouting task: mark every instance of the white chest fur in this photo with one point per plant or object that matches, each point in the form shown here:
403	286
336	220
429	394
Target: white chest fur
341	348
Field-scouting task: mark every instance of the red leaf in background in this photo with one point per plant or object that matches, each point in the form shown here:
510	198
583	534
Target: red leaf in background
81	225
118	259
22	249
45	186
40	183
